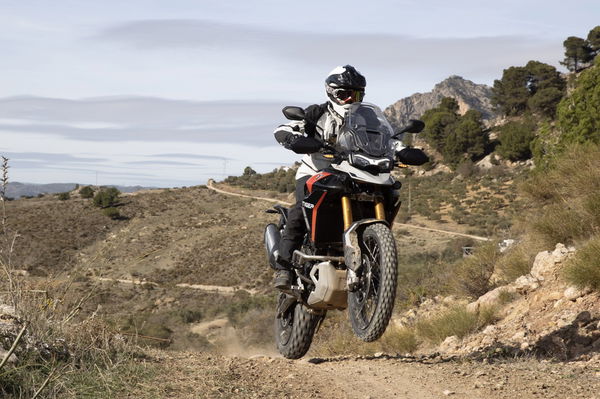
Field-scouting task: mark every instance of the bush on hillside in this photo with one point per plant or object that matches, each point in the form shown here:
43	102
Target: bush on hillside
566	196
106	197
112	212
86	192
473	273
63	196
455	321
279	180
582	270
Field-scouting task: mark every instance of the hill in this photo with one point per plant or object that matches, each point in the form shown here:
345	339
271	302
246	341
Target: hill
469	95
18	190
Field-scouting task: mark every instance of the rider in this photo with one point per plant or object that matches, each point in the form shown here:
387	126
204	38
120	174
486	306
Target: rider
321	124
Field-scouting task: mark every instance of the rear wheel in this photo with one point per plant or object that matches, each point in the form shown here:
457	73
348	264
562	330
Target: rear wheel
294	330
370	305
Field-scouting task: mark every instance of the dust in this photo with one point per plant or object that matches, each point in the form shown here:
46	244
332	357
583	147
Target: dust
229	340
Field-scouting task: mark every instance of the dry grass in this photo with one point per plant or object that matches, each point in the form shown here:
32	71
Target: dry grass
568	193
455	321
58	353
517	260
583	270
473	273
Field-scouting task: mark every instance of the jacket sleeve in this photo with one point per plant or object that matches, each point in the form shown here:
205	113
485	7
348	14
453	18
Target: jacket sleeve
292	138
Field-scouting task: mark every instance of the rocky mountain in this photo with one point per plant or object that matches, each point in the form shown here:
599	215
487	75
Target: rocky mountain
468	94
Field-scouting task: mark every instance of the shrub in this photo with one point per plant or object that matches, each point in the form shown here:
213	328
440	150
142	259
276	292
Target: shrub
514	262
111	212
106	197
455	321
86	192
63	196
473	273
568	194
582	270
467	168
399	339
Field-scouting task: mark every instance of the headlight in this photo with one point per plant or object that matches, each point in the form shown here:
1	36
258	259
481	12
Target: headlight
370	164
360	162
385	164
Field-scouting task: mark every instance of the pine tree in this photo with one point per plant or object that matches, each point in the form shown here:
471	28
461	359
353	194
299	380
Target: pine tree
594	40
577	53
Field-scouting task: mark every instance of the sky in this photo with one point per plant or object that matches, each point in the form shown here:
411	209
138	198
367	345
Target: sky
171	93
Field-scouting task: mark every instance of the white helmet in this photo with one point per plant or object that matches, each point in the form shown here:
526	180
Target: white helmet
344	86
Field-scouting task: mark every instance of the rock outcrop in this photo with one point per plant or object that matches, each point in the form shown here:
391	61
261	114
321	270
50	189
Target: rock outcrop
547	318
469	95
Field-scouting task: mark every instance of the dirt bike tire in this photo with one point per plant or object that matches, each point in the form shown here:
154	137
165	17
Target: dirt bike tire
294	339
371	327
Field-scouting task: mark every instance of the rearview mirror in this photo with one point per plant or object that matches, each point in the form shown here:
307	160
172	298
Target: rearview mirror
293	113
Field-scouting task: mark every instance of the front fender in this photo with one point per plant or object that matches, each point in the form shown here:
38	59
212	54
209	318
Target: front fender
352	252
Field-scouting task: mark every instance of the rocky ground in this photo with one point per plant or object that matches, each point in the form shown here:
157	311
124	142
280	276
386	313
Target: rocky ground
192	375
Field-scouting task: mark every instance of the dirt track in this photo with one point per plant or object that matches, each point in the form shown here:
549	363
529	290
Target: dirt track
192	375
211	186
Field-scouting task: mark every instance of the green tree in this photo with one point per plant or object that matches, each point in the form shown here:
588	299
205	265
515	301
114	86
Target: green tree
579	114
544	101
577	53
594	40
437	120
515	140
248	171
465	140
536	87
510	94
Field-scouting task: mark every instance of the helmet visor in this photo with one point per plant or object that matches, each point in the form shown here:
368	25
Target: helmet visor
348	96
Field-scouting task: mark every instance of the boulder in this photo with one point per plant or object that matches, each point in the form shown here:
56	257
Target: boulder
545	263
450	344
525	284
490	298
572	293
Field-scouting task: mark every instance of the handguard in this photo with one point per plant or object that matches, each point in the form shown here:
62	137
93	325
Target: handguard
412	156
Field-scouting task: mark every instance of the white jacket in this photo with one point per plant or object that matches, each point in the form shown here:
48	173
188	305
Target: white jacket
328	127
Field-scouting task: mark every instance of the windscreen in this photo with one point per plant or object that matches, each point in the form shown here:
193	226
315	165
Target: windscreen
365	130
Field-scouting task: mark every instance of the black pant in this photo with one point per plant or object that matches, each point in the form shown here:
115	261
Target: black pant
294	229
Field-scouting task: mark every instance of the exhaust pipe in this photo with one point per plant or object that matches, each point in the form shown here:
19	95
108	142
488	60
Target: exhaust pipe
272	238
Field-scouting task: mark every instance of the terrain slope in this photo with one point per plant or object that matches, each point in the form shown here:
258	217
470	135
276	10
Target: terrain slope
186	268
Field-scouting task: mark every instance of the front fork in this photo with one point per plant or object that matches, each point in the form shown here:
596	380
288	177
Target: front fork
352	249
347	211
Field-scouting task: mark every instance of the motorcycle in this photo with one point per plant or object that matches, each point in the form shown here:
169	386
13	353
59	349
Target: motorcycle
348	257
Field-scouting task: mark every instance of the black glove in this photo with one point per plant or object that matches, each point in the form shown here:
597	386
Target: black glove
412	156
312	113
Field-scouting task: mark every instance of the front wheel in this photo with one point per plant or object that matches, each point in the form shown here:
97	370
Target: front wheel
370	305
294	330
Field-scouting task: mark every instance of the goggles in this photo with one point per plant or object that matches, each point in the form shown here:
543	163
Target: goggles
348	96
